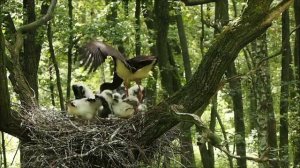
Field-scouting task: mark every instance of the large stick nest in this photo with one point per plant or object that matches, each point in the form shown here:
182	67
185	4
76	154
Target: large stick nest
60	141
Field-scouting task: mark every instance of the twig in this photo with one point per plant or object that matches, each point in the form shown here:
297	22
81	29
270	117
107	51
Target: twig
15	155
294	30
4	150
214	139
251	71
224	135
115	133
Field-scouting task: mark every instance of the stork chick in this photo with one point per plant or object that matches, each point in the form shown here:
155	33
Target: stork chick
124	108
85	108
82	91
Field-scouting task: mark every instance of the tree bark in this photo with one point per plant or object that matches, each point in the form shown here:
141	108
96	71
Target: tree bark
187	156
297	78
147	9
70	48
239	125
284	92
126	7
206	149
202	31
266	117
174	71
32	50
55	64
251	89
212	127
137	27
195	96
3	151
184	46
9	123
51	85
161	10
222	18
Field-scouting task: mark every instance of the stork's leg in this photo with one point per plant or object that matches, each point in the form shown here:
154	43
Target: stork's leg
126	85
140	94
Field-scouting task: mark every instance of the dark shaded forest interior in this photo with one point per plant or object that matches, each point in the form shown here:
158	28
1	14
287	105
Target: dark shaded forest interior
150	83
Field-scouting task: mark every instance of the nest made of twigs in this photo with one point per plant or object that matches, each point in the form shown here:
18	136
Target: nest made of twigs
60	141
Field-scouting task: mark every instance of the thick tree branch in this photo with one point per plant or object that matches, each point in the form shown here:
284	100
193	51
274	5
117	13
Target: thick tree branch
196	2
276	11
20	84
10	122
41	21
206	80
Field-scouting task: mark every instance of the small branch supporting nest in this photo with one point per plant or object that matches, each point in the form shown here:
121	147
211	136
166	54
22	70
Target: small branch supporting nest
210	136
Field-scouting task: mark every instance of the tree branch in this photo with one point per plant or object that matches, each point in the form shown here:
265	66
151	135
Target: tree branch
41	21
208	136
193	118
20	84
196	2
206	80
276	11
297	27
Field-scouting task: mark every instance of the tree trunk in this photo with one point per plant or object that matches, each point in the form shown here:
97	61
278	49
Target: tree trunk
206	149
284	93
161	10
212	127
55	64
174	71
187	156
297	78
126	5
222	18
3	151
8	123
266	117
70	48
32	49
137	27
151	90
251	89
51	85
239	125
195	95
202	31
184	46
5	97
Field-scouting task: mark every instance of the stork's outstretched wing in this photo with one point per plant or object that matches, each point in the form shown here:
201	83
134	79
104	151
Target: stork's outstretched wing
95	52
141	61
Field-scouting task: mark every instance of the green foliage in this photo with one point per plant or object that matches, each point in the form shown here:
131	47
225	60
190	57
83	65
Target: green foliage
91	20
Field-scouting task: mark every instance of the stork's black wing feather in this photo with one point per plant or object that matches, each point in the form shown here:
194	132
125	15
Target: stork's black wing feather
141	61
95	52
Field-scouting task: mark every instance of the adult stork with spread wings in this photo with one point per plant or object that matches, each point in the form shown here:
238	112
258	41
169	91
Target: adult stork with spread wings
134	69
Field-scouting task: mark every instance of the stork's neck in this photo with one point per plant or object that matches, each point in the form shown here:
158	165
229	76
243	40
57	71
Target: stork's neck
122	70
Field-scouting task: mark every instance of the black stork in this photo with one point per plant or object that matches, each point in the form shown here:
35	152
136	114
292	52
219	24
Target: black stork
125	70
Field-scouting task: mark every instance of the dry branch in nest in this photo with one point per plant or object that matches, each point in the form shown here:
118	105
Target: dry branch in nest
60	141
